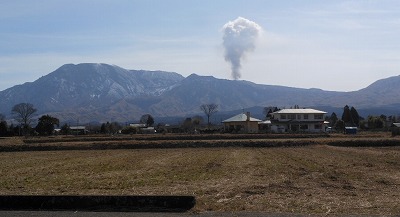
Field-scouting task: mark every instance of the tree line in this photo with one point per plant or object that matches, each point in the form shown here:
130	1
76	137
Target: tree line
24	113
351	118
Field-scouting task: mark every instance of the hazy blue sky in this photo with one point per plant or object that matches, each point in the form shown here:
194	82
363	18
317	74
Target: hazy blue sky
332	45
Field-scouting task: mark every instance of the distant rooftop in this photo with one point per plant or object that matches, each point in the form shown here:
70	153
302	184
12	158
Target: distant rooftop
77	127
138	125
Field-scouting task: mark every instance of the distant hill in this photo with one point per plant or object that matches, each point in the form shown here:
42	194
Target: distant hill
88	90
100	92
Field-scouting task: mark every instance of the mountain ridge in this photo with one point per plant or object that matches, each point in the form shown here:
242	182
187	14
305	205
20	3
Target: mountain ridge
102	92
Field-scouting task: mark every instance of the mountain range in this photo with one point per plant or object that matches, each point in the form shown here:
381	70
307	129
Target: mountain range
101	92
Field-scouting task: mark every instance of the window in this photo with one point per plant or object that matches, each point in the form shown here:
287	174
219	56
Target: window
283	116
304	127
306	116
291	116
298	117
318	126
318	116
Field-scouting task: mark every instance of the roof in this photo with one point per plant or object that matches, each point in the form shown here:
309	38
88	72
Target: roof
266	122
138	125
396	124
240	118
298	122
299	111
77	127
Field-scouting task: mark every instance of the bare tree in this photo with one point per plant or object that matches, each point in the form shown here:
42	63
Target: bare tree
23	113
209	110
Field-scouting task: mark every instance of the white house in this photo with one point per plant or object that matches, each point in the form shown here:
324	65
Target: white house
298	120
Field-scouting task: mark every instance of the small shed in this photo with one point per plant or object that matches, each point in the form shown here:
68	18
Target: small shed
350	130
241	123
265	126
81	130
143	128
396	129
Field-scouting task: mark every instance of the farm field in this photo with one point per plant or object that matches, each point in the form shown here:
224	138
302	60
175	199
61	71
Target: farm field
306	176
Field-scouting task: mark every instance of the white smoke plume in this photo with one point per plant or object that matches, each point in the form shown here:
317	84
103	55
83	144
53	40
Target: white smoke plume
239	38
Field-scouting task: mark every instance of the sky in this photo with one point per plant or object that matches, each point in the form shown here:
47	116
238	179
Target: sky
331	45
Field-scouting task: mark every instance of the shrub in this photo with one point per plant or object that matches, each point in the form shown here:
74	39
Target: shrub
129	130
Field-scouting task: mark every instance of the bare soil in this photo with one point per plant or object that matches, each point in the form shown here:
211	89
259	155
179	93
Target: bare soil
312	179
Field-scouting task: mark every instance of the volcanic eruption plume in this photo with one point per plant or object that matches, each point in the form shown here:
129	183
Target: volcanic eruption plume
239	38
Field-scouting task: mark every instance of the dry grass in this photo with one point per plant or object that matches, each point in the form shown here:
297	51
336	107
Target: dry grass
315	179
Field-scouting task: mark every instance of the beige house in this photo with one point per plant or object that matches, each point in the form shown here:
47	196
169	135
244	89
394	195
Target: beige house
241	123
298	120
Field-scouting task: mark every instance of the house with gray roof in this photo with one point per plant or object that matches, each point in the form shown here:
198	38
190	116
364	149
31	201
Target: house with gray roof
241	123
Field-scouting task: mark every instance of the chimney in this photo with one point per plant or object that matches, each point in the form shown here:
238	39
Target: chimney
248	116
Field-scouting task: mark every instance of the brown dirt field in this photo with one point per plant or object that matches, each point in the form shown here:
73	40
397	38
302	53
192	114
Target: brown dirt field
314	179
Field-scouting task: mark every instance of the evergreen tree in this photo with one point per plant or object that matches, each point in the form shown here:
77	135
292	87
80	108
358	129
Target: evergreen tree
147	119
339	126
110	128
268	110
346	116
354	116
46	124
103	128
333	119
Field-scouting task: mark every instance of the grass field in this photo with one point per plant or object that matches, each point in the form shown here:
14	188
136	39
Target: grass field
311	179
